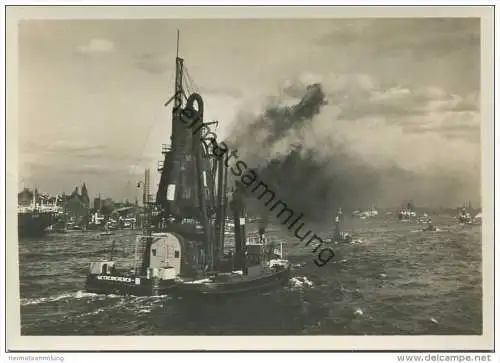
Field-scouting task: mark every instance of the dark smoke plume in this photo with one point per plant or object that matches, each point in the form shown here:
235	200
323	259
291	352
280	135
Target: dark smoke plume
307	183
317	153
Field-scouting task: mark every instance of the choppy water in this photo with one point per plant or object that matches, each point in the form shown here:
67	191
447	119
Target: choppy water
396	281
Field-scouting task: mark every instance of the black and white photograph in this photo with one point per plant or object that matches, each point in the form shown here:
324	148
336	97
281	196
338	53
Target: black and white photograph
195	173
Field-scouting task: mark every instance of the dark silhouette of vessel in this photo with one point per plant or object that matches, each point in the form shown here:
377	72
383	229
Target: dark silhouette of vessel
182	248
35	216
33	223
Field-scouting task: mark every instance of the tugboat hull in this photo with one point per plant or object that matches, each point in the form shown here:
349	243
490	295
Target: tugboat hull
127	285
234	284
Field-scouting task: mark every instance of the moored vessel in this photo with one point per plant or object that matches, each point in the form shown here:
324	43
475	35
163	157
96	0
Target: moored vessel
35	219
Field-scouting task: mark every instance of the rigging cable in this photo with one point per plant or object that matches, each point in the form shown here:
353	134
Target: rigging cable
195	86
188	84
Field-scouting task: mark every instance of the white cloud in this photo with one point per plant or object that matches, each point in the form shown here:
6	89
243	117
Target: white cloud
96	46
359	97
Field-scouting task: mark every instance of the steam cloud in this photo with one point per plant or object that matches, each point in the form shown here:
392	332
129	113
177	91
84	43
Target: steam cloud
345	141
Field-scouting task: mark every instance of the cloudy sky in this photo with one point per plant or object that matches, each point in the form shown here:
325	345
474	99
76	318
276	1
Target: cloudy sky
92	91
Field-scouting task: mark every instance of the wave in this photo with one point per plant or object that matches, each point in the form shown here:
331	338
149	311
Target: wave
300	282
48	299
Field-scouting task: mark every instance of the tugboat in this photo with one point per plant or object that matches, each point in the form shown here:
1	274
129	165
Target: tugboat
406	213
155	263
339	236
183	247
464	217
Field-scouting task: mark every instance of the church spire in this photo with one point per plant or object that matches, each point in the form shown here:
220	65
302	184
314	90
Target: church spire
85	195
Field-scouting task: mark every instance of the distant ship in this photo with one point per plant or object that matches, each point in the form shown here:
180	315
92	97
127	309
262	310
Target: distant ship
35	219
31	223
340	236
465	217
406	213
371	212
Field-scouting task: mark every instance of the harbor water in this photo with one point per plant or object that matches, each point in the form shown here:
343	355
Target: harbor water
393	280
